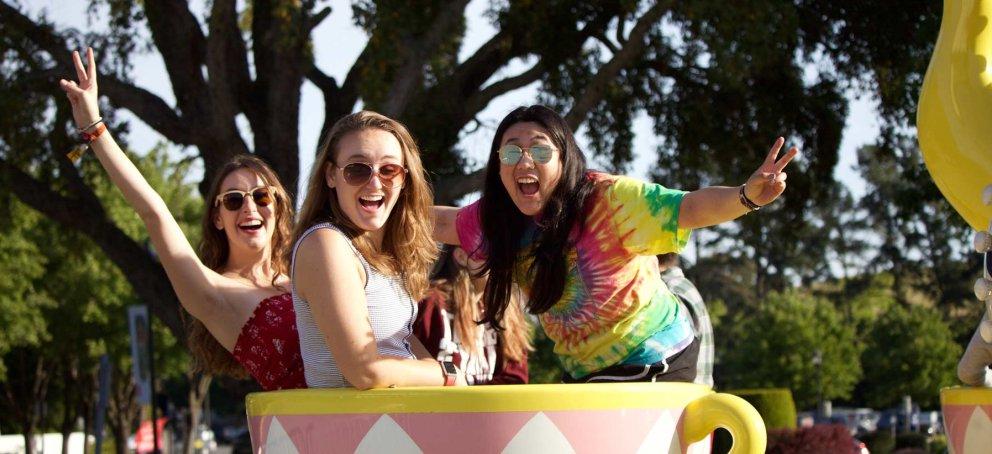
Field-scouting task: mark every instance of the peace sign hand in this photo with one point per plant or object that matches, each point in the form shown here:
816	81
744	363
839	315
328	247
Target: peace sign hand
768	182
83	95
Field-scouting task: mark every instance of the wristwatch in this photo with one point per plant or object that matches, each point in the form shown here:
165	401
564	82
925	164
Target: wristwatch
450	372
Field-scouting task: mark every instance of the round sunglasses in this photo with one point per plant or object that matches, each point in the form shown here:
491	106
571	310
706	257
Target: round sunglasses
510	154
234	199
360	173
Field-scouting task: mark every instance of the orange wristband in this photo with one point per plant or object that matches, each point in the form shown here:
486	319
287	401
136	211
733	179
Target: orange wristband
89	137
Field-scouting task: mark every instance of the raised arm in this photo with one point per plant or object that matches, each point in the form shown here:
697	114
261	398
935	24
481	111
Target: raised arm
718	204
444	225
193	282
330	278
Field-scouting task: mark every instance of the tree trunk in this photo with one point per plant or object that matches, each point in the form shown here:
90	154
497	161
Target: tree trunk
70	391
199	386
123	409
25	391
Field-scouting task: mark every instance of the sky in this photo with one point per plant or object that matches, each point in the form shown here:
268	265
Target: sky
338	42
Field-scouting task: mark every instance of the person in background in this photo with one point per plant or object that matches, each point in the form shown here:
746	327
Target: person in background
448	325
692	301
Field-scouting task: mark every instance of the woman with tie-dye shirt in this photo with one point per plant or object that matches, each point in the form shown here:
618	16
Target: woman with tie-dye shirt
581	245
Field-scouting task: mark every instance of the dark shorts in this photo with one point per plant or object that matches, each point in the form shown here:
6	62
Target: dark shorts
678	367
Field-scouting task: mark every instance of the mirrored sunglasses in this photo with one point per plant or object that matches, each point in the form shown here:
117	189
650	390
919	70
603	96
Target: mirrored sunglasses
511	154
234	199
360	173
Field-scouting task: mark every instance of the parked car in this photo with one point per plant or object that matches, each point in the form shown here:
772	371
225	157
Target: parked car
928	422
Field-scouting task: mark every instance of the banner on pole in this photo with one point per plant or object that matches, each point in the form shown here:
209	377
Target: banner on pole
140	327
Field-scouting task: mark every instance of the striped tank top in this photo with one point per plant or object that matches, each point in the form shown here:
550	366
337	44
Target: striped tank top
391	311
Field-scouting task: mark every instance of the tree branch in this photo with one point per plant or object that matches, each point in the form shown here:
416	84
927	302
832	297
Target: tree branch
635	46
481	99
181	43
604	40
227	60
316	20
145	275
150	108
451	188
339	101
416	54
146	105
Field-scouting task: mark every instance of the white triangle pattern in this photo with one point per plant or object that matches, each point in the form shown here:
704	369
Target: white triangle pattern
387	436
278	440
978	435
662	436
541	435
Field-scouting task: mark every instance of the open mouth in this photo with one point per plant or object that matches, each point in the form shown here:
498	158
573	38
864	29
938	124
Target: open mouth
250	226
371	202
528	185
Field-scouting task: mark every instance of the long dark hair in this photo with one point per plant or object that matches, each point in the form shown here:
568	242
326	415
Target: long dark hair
504	226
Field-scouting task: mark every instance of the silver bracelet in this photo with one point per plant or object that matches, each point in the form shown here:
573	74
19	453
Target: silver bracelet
87	128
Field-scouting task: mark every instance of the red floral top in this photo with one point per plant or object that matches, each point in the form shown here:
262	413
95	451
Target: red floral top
269	346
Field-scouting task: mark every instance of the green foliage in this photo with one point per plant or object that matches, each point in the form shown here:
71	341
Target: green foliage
925	244
910	351
937	444
773	346
774	405
60	295
909	440
542	363
880	442
21	264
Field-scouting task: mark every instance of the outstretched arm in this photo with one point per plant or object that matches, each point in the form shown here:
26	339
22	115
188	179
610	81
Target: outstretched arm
718	204
193	282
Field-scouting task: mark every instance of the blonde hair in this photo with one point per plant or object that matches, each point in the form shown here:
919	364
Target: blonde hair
465	303
407	246
208	355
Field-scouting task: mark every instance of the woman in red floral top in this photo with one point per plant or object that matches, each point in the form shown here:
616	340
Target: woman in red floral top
446	326
238	293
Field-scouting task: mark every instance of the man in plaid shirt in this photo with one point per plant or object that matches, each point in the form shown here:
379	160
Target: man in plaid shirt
691	300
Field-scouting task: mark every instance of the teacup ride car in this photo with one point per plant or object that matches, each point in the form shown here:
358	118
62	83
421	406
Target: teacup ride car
601	417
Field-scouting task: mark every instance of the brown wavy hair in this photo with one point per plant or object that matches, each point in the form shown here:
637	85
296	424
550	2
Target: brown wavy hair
455	282
408	246
208	355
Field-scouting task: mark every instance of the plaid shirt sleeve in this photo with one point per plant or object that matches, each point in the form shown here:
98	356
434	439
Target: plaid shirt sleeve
687	293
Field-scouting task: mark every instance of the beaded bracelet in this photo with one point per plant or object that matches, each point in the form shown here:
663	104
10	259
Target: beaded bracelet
748	203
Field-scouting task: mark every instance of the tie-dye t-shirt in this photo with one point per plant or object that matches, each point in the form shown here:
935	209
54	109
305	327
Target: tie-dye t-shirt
615	306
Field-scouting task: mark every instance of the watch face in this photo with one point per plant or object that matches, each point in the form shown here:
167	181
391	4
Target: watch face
449	368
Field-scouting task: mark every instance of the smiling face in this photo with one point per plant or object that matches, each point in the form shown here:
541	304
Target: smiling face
367	206
250	227
528	183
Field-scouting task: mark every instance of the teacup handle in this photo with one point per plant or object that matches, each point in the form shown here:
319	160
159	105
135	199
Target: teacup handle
706	414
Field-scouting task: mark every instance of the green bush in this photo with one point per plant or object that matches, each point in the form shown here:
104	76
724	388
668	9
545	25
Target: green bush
911	440
880	442
775	406
938	444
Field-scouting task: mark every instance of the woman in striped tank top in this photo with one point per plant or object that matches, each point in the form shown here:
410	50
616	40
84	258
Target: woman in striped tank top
363	249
